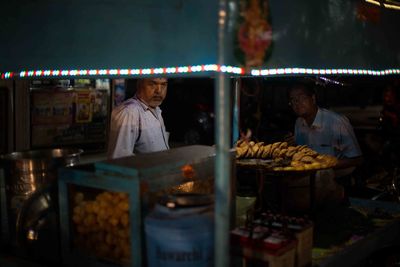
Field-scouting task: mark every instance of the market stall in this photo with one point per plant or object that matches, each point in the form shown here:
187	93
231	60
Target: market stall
233	39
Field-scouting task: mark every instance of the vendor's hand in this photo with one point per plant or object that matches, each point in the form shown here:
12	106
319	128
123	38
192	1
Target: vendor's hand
289	138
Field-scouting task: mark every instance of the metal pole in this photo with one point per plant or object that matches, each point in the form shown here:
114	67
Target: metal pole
222	171
223	141
236	111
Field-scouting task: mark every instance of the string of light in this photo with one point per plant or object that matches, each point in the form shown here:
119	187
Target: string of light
123	72
294	71
193	69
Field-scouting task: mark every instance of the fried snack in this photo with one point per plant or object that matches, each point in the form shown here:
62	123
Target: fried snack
328	160
240	151
308	166
276	152
290	151
254	150
300	147
296	163
102	225
260	151
315	165
310	152
237	152
297	156
244	143
239	142
249	151
282	153
245	151
266	151
283	145
307	159
274	147
294	148
260	144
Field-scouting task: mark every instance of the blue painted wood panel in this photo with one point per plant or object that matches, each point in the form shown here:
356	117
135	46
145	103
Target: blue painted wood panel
333	34
112	34
97	34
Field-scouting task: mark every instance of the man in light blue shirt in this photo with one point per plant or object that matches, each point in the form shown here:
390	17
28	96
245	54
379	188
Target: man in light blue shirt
325	132
137	125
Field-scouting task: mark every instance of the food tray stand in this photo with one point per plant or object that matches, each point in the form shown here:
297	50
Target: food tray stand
279	177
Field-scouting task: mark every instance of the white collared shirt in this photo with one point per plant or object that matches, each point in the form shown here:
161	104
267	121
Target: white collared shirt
136	128
330	133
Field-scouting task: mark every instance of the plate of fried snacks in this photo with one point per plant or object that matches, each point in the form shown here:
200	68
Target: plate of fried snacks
280	156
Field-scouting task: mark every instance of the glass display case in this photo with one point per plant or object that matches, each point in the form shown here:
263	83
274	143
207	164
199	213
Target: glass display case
103	205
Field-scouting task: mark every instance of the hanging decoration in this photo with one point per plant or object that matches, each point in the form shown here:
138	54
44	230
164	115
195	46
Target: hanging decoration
254	34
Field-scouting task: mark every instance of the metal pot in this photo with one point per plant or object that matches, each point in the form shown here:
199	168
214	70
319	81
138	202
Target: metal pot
30	178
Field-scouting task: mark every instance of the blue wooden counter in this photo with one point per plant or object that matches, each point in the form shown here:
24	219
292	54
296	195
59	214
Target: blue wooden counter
384	236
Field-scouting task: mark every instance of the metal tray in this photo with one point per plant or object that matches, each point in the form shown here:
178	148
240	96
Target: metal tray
268	166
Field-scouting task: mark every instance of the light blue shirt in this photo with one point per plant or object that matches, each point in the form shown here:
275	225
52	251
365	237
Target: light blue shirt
330	133
136	128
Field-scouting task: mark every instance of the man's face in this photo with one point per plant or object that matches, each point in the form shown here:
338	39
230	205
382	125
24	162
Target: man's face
301	103
153	91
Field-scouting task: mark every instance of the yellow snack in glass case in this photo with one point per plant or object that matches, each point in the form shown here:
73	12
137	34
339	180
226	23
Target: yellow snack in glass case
102	225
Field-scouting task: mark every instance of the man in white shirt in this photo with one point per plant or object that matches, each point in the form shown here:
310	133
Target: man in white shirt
137	125
327	133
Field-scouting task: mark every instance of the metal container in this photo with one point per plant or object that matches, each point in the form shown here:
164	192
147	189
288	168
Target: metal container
29	175
180	231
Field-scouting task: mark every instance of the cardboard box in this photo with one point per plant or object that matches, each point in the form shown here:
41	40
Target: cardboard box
303	232
262	245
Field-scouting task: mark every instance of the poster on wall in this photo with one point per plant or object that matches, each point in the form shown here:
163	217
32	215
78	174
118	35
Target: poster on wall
84	104
100	105
75	116
119	91
55	107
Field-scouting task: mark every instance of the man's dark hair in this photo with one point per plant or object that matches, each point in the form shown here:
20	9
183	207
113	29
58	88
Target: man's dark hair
308	89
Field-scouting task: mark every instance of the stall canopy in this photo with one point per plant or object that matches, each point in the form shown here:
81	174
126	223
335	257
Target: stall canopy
107	34
146	34
334	34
